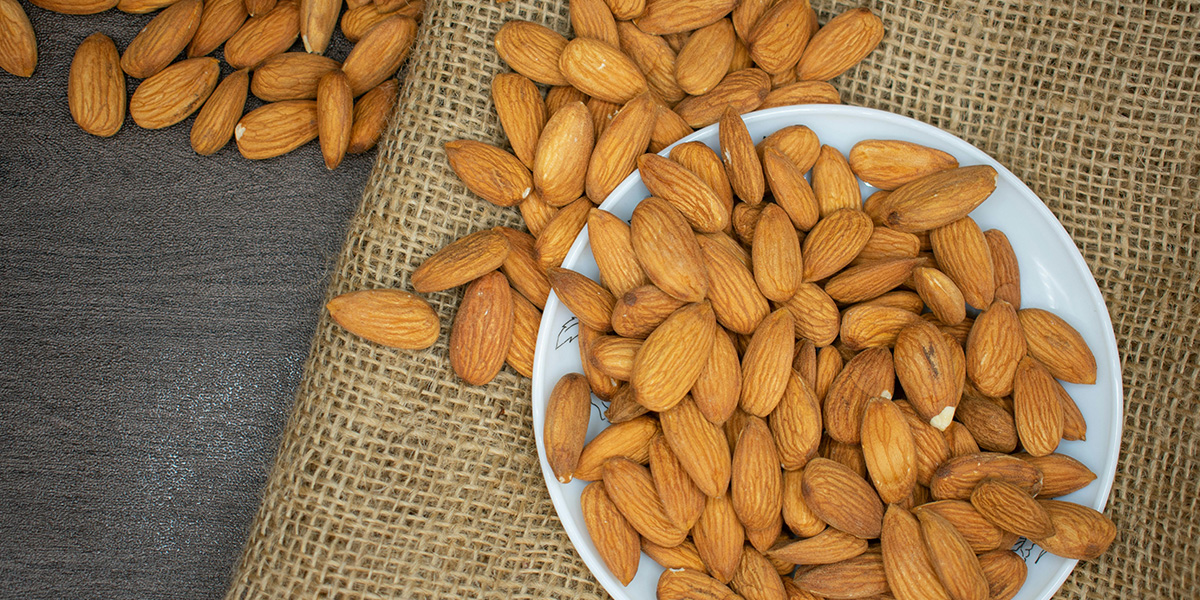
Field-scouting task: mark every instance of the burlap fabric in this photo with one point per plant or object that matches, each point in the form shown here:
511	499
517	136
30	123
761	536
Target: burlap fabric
395	480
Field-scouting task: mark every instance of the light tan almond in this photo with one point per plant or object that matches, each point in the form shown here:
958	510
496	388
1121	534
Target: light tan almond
796	424
672	16
536	213
956	478
1005	572
600	70
668	251
371	114
96	85
889	164
870	280
672	357
719	385
263	35
682	500
161	40
940	293
563	151
629	439
389	317
840	44
719	536
631	489
618	147
291	76
886	243
609	238
174	93
790	189
740	158
461	261
215	123
276	128
703	61
1080	532
834	183
379	54
799	517
335	117
842	499
836	239
935	200
683	556
952	558
318	18
743	90
482	329
1037	410
615	539
669	127
489	172
1058	346
796	142
688	584
872	325
757	482
1004	265
889	450
526	320
699	445
994	348
756	578
655	58
1011	508
776	255
910	573
532	50
868	375
699	204
925	366
593	19
992	427
963	254
862	576
522	113
978	532
566	422
814	314
586	299
560	232
357	21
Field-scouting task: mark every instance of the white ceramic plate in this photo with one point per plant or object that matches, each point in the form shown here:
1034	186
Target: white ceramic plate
1053	277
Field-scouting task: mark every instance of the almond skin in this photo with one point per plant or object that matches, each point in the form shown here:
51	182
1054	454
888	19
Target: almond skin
630	439
991	426
834	183
215	123
842	499
1012	509
18	46
780	36
335	117
669	127
264	36
291	76
941	294
744	90
703	60
910	573
357	21
1036	408
489	172
682	500
379	54
618	147
932	448
840	44
889	164
174	94
600	70
563	152
532	50
631	489
522	113
593	19
1058	346
609	238
482	329
560	232
796	142
389	317
603	386
935	200
615	539
667	250
461	261
219	20
162	39
683	556
371	114
867	325
96	86
719	536
887	244
276	128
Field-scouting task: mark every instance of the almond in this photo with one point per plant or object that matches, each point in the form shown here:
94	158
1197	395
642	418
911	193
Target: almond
629	439
756	483
952	558
174	93
609	238
872	325
603	386
566	423
683	556
600	70
688	584
796	424
261	7
889	164
910	573
931	446
889	450
991	426
692	196
1004	265
801	92
835	240
1058	346
317	20
489	172
215	123
755	577
615	539
602	114
901	299
936	200
617	149
96	86
585	298
672	16
640	310
1080	532
654	58
461	261
701	160
669	127
672	357
622	407
75	7
776	255
18	46
482	329
631	489
719	536
796	142
536	213
560	232
1011	508
744	90
940	293
849	455
994	348
703	61
780	36
263	35
379	54
740	157
719	385
766	363
867	375
371	113
926	367
562	95
700	447
790	189
161	40
834	183
1037	410
870	280
1005	572
962	253
682	500
799	517
276	128
521	266
763	539
522	113
141	7
842	499
563	151
409	8
887	243
956	478
613	355
1061	474
357	21
979	533
859	577
335	117
389	317
667	250
532	50
827	547
840	44
526	320
291	76
593	19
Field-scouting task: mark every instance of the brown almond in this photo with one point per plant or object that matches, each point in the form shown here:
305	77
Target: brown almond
461	261
827	547
981	534
683	556
744	220
692	196
593	19
872	325
963	254
141	7
1061	474
868	375
482	329
790	189
701	160
870	280
371	114
780	36
796	142
814	314
75	7
615	539
796	424
629	439
526	321
889	164
566	422
776	255
95	86
1004	266
801	92
939	291
655	58
763	539
219	20
521	267
609	238
622	406
215	123
261	7
672	357
991	426
1005	572
719	385
956	478
952	558
703	61
887	243
671	16
335	117
719	536
931	446
743	90
668	251
318	18
926	367
563	151
910	573
631	489
174	93
862	576
618	147
585	298
994	348
1011	508
682	500
688	584
935	200
532	50
1080	532
600	70
1037	410
390	317
834	183
522	113
741	159
766	364
756	483
902	299
669	127
640	310
161	40
537	214
264	35
379	54
1058	346
799	517
357	21
276	128
562	95
842	499
560	232
603	386
836	239
700	447
756	578
291	76
889	450
840	44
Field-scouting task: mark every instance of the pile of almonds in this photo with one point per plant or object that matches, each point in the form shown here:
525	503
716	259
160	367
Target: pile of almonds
308	95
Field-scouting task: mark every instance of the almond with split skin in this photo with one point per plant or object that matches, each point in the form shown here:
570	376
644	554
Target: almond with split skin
18	46
615	539
96	85
174	94
335	117
276	128
390	317
291	76
162	39
532	50
264	36
371	113
927	369
482	329
215	123
379	54
566	422
489	172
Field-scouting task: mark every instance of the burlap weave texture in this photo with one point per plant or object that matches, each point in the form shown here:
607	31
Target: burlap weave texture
395	480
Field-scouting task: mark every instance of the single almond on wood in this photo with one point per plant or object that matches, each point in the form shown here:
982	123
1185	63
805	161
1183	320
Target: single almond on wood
566	422
276	128
390	317
215	123
96	85
174	93
461	261
482	329
162	39
18	46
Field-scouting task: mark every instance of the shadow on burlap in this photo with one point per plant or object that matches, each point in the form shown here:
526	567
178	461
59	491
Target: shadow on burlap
395	480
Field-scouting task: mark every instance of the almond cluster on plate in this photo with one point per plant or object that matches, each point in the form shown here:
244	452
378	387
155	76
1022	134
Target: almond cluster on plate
308	95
